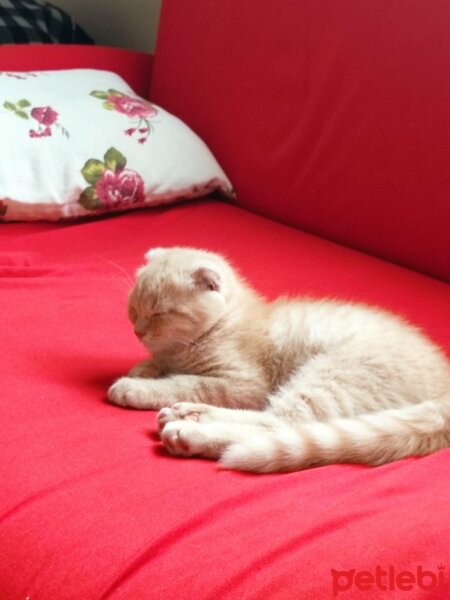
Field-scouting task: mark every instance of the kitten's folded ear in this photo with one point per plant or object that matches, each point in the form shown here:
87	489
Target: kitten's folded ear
207	279
154	253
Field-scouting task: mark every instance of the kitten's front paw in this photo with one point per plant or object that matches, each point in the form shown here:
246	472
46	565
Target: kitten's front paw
146	368
131	392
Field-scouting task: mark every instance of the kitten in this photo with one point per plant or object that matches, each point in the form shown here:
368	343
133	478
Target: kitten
278	386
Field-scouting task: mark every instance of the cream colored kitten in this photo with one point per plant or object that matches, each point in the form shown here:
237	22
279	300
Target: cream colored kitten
278	386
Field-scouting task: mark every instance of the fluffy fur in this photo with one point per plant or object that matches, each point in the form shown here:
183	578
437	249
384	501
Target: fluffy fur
278	386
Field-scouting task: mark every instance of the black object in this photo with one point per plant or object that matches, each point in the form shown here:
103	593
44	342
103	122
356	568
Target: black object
35	21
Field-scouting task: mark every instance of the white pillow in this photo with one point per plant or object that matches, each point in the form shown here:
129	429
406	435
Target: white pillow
79	142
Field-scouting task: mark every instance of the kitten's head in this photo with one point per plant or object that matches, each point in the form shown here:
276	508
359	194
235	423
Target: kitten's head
179	294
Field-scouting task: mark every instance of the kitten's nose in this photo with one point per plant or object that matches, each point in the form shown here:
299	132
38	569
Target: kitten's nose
140	327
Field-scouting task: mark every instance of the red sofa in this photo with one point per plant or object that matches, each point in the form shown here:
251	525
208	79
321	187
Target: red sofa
332	120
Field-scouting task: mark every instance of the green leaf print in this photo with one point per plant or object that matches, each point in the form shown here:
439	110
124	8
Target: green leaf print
98	94
114	159
93	170
21	114
89	200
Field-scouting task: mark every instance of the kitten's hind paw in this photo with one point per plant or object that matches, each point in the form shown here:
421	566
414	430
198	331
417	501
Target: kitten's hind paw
181	411
165	416
189	438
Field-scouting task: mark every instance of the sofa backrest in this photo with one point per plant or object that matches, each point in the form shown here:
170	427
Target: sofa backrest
134	67
330	115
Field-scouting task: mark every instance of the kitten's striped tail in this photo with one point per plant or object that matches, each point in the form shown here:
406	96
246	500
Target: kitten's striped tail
373	438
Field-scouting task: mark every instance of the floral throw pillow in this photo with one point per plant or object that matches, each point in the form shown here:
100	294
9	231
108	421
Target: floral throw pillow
79	142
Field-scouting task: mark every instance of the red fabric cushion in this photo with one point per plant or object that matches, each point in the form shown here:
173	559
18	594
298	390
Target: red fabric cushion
330	115
91	507
134	67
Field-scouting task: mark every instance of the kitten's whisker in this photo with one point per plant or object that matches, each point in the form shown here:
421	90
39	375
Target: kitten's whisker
123	284
126	287
128	279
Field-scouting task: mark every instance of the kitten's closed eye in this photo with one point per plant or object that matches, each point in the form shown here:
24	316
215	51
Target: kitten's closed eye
134	315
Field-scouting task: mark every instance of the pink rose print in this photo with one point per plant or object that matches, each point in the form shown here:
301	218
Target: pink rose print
46	117
133	107
138	110
111	184
121	187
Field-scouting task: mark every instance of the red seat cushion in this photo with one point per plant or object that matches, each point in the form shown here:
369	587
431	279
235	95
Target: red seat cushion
91	506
